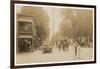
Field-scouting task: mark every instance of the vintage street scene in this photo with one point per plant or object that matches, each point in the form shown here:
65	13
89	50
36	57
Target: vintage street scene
53	34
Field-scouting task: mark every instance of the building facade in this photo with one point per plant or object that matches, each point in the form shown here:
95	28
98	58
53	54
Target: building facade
26	33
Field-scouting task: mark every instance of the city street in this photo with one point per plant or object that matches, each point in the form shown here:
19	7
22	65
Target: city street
55	56
53	29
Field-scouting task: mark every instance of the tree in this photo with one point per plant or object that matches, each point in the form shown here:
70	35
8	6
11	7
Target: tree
77	23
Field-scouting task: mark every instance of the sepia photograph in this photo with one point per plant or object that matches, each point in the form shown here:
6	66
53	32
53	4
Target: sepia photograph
47	34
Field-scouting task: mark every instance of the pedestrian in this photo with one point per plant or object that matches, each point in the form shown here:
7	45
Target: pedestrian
59	44
77	50
66	44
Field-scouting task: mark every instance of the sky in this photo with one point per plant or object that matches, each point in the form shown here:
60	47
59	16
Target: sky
54	19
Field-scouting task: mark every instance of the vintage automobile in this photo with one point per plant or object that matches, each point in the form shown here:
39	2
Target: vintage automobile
47	48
